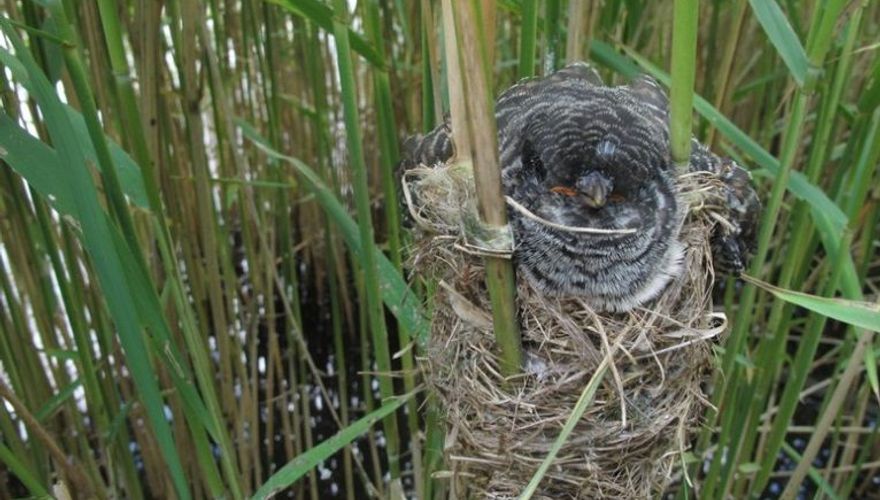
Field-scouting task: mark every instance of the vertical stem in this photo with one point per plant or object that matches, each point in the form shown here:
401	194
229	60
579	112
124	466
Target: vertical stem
818	43
684	51
432	99
389	156
574	44
730	49
552	10
375	310
109	176
487	177
527	38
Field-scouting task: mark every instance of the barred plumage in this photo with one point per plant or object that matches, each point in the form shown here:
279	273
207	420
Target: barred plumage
579	154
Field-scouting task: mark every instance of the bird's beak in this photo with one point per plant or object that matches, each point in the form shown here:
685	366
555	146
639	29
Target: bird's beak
595	188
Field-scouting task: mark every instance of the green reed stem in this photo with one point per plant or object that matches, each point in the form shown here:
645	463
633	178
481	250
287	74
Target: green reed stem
80	81
795	261
487	175
683	71
528	37
728	441
552	14
374	306
389	156
196	348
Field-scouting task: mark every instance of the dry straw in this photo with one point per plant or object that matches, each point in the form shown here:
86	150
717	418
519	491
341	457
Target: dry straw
499	430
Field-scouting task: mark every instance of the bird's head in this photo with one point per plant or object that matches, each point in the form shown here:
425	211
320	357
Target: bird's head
588	166
591	183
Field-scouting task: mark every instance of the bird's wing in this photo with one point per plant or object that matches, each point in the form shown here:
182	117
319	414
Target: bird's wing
430	149
731	245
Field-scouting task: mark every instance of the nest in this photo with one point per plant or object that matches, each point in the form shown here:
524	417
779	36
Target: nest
634	435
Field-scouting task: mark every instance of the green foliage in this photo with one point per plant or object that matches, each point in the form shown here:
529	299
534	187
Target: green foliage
856	313
583	403
196	196
782	36
109	254
398	297
296	469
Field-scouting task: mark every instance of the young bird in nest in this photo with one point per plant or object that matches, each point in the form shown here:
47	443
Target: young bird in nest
595	211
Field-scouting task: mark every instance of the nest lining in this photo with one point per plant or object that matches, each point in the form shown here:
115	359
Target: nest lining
498	431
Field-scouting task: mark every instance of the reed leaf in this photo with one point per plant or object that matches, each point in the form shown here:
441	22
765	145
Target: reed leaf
856	313
302	464
323	16
583	403
98	241
782	36
27	477
35	161
398	297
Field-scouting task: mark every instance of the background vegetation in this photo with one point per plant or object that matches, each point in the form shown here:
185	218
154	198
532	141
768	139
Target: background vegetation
188	307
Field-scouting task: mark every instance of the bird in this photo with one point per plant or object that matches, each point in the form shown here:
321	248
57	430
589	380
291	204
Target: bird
594	202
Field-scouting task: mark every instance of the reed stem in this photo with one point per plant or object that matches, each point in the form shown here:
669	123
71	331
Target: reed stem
483	151
683	72
375	310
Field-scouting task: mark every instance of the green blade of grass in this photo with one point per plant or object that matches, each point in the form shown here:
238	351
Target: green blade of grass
870	98
126	169
323	16
98	242
302	464
852	312
783	37
36	162
398	297
20	470
57	400
577	412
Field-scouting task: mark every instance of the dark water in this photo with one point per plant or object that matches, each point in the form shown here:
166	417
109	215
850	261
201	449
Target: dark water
318	332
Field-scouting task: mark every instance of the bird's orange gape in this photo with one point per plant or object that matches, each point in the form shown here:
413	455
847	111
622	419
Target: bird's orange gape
565	191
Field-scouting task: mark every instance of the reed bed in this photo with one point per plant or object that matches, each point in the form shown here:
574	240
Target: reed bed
201	246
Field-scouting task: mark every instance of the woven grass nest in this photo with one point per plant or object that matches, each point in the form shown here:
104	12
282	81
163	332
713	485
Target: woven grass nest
645	412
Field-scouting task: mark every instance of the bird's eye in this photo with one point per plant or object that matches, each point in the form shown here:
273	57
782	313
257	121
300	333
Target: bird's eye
616	197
